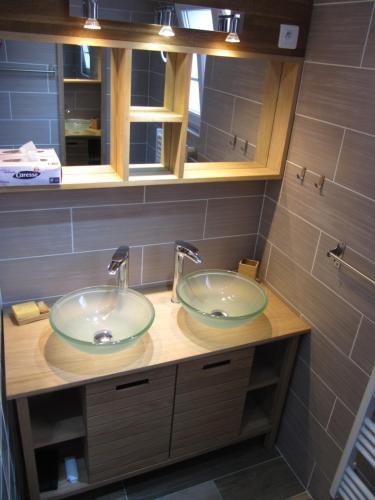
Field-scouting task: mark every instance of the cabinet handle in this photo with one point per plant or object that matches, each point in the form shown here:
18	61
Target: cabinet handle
216	365
121	387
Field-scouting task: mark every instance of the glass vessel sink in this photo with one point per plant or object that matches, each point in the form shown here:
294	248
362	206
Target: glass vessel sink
221	299
101	319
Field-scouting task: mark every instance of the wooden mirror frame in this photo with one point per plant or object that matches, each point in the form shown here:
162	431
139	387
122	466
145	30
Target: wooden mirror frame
276	117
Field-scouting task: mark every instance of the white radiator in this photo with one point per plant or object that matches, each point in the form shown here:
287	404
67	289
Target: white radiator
348	484
159	142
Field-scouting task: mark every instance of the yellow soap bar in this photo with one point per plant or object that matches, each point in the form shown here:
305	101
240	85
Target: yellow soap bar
27	310
42	306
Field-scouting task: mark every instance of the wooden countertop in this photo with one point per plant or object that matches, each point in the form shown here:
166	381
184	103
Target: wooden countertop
38	361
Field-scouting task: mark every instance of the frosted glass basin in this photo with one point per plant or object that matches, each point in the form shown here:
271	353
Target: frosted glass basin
221	299
101	319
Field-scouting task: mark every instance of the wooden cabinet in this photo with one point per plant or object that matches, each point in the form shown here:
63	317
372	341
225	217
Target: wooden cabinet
128	422
210	396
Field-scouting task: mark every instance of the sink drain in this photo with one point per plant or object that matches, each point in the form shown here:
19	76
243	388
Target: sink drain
103	337
216	313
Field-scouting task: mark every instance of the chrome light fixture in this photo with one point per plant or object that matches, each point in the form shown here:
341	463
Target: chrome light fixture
92	22
229	23
164	17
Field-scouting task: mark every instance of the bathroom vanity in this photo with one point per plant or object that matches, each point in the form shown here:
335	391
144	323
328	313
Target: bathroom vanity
181	390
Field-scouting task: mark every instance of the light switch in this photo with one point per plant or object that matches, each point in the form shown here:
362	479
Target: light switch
288	37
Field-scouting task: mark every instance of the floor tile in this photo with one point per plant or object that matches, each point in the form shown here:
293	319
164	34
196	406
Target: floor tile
198	470
111	492
272	480
301	496
204	491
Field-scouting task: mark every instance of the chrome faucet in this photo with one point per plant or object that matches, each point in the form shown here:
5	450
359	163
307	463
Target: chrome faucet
120	265
183	249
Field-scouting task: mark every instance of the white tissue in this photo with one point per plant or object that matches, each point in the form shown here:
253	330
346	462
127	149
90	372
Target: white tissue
29	152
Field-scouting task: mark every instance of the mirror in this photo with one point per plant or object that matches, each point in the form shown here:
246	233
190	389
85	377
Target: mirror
148	78
145	143
225	103
56	96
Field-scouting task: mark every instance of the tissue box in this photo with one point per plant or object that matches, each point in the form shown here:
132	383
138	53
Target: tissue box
15	170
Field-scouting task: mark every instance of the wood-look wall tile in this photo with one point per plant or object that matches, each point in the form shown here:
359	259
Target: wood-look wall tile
334	317
315	145
337	211
218	147
25	279
317	397
240	77
340	95
25	234
369	56
318	444
341	375
289	233
345	282
229	217
355	169
319	485
294	451
340	423
219	253
364	348
273	189
217	108
70	198
246	119
204	190
338	32
108	227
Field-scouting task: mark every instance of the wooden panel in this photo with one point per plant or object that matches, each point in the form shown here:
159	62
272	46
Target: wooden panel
283	119
121	64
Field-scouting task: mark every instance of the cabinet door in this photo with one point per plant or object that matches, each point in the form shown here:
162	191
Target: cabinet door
129	422
210	396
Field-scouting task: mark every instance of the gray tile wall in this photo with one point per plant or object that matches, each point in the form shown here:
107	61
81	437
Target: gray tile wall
334	135
28	101
55	242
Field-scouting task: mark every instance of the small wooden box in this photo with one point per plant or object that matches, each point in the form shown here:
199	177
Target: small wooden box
248	267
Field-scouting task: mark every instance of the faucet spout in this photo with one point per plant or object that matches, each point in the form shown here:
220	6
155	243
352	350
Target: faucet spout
120	265
183	249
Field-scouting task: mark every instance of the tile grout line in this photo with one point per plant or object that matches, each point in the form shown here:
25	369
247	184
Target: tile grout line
337	65
260	219
254	101
367	36
290	467
315	254
330	415
205	220
247	468
71	229
339	156
334	124
142	263
355	337
311	475
125	492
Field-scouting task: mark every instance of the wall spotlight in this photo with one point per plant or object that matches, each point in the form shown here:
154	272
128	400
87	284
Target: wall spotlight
229	23
164	17
92	22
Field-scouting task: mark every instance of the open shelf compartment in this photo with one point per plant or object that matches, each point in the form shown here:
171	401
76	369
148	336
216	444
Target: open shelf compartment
256	418
56	417
267	364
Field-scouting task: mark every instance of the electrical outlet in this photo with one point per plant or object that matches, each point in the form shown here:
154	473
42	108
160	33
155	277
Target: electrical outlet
288	37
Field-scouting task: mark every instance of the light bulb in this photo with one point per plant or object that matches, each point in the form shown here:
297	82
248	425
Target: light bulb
232	38
92	24
166	31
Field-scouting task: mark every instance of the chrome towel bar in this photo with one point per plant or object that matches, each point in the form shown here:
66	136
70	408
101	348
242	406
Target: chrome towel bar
22	70
337	254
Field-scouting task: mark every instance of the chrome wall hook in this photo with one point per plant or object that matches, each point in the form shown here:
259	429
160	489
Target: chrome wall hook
233	142
319	185
245	147
301	176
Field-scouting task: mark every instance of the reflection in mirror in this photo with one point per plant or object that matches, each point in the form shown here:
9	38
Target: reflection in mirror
225	103
145	143
57	98
148	77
